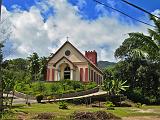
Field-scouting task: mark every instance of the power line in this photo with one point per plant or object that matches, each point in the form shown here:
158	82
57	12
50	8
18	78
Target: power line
124	13
140	8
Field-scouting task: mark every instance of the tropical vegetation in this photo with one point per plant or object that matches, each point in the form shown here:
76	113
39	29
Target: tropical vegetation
139	65
53	88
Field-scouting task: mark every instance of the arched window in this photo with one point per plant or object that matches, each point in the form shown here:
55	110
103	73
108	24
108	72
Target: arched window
67	73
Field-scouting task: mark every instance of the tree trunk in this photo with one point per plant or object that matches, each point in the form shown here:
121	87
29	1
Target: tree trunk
26	99
6	99
12	98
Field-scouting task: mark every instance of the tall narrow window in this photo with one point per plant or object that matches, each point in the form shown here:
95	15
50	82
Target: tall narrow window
67	73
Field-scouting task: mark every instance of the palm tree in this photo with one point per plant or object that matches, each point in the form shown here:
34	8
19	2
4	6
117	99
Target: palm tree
142	46
143	51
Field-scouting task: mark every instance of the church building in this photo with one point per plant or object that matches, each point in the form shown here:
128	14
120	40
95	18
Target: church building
69	63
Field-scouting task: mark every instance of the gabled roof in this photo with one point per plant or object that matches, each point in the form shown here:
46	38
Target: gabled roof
67	60
67	42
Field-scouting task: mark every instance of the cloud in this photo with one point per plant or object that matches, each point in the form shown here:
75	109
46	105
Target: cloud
5	24
34	34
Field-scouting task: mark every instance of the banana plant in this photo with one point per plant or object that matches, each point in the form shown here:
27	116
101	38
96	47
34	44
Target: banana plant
114	87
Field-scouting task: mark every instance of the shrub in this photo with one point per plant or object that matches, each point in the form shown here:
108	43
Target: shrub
39	87
39	97
68	91
90	85
79	90
138	105
76	85
54	87
59	87
109	105
63	105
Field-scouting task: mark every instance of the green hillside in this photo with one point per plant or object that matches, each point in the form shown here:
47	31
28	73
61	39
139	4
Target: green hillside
103	64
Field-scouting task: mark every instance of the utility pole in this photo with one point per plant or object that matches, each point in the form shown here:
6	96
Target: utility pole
1	82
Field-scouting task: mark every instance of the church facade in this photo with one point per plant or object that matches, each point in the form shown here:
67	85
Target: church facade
69	63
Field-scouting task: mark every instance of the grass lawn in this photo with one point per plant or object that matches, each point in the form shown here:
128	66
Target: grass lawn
29	112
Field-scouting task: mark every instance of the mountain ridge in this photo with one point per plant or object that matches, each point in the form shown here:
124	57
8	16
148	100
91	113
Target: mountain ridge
103	64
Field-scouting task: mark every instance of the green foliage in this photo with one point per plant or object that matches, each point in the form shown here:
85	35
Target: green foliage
139	65
138	105
63	105
90	85
39	87
39	98
114	87
8	114
34	66
43	67
109	104
55	88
